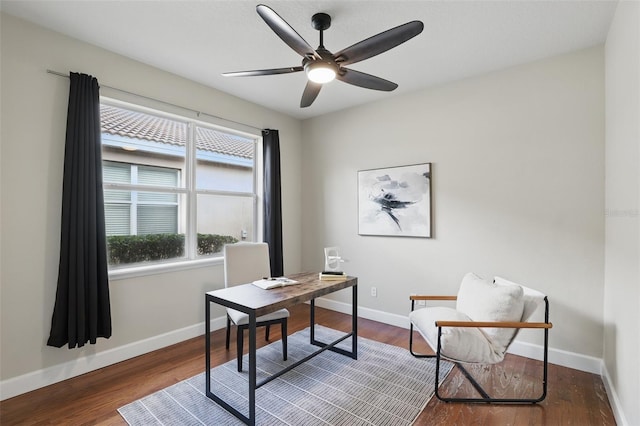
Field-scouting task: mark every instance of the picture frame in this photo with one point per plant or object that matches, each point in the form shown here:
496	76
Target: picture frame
395	201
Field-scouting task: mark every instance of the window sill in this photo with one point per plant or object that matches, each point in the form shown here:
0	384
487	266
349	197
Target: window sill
155	269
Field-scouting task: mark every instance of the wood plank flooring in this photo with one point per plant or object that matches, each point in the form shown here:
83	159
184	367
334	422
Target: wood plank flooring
574	397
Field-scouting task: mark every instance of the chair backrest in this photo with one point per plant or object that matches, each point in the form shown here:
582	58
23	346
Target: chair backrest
245	263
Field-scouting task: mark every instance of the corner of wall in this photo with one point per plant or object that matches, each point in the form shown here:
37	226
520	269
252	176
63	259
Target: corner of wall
614	401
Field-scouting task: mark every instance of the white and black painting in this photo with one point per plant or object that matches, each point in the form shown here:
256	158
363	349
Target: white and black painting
395	201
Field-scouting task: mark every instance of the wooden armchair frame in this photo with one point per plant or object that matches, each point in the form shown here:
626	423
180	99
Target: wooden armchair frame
485	397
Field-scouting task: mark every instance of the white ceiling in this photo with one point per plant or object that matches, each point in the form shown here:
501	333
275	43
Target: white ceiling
201	39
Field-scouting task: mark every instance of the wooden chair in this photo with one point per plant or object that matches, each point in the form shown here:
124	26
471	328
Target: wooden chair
487	318
245	263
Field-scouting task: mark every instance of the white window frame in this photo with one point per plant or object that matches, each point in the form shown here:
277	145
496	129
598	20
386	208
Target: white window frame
190	261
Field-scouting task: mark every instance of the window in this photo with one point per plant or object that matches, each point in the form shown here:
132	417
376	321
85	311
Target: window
175	189
135	212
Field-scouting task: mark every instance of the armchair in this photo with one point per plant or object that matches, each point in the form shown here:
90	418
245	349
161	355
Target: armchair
485	321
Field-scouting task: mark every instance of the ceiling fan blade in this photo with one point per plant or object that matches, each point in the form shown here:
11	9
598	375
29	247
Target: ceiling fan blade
285	31
379	43
367	81
310	93
262	72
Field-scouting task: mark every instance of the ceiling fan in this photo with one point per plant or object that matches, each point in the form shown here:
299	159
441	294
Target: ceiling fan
321	65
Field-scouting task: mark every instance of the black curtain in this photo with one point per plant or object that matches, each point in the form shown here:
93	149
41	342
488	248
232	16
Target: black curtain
272	200
82	312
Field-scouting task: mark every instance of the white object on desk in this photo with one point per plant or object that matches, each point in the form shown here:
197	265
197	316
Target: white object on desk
271	282
332	259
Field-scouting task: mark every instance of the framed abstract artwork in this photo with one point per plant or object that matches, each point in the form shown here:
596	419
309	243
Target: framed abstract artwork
395	201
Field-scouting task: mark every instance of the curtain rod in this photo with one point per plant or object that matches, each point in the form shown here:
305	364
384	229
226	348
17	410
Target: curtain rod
198	113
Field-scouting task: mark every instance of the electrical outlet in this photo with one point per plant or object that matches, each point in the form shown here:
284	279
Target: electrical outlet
374	292
419	302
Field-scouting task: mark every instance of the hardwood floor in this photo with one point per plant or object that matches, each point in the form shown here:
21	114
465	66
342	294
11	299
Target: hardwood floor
574	397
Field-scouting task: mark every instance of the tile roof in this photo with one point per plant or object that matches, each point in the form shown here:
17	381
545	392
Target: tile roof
139	125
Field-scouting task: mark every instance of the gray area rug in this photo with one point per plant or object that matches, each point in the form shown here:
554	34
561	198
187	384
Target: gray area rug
385	386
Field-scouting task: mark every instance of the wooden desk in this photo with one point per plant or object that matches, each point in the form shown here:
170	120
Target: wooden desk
256	302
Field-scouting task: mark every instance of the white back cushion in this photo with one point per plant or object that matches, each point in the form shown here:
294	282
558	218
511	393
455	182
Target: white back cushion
483	300
533	299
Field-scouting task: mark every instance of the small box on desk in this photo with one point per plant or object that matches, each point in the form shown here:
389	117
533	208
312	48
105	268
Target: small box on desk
331	275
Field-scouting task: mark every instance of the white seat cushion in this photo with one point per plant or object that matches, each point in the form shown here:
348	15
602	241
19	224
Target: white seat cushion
465	344
483	300
240	318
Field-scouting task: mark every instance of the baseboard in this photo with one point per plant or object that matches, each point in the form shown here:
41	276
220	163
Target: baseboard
614	401
529	350
560	357
57	373
368	313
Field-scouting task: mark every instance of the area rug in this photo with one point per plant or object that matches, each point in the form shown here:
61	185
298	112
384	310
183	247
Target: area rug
384	386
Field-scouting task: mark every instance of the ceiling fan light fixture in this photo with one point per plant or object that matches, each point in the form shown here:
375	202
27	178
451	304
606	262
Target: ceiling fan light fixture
320	72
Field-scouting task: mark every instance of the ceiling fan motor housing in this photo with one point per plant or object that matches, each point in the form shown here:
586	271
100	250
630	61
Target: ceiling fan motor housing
327	66
321	21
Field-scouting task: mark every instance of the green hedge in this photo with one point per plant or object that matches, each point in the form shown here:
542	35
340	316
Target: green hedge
124	249
213	243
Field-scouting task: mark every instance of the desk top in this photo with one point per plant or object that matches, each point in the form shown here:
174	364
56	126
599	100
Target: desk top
248	297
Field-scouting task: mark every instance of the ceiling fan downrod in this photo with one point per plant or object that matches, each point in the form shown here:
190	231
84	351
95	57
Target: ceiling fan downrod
321	22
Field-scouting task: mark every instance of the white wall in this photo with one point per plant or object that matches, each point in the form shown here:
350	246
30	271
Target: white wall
34	106
518	190
622	246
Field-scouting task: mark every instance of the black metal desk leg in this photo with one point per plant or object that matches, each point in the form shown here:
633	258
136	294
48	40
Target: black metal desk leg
354	328
252	369
207	344
354	321
312	321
